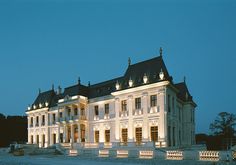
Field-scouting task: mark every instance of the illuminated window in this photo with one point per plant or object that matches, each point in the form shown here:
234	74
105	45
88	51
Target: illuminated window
124	133
138	134
96	136
154	133
107	135
138	103
153	100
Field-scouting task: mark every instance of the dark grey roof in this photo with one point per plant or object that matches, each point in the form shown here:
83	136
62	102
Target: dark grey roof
184	93
151	68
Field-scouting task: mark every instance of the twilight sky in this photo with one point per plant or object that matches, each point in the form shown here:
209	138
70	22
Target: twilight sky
49	41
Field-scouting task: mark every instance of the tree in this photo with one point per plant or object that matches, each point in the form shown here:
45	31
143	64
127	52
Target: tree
224	126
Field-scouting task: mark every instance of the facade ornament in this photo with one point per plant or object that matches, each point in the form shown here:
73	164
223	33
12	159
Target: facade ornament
161	75
130	82
46	104
40	105
34	106
28	108
161	51
89	83
145	78
53	87
39	90
79	81
129	61
117	85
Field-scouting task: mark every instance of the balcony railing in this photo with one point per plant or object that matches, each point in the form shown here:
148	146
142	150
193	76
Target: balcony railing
138	112
82	117
123	113
37	124
106	116
96	117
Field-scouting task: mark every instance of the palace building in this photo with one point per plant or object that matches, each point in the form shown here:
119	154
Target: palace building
143	106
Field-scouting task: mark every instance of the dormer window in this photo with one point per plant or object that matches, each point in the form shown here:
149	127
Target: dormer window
130	82
145	78
117	85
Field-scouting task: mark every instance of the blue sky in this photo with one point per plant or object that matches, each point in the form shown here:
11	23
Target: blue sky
45	42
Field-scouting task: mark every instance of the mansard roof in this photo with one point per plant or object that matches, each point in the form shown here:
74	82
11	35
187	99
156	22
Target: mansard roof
151	68
184	93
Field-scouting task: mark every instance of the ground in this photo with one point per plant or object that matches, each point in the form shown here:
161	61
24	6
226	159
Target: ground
8	159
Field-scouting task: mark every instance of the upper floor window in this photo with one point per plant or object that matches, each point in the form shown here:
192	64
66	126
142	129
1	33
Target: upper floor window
31	121
75	111
60	114
37	120
43	120
153	100
53	118
124	105
69	110
82	112
138	103
96	110
106	108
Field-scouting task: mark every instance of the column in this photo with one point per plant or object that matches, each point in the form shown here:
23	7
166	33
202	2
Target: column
145	129
72	133
162	125
117	115
64	133
79	133
130	122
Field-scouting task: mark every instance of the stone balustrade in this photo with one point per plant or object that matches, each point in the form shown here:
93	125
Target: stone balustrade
73	152
174	155
122	153
146	154
209	155
103	153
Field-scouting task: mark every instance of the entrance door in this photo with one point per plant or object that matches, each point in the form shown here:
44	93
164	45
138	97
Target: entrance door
138	134
154	133
43	140
61	137
107	136
124	133
82	132
54	138
76	134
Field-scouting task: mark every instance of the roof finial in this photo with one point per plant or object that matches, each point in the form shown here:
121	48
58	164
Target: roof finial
89	83
161	51
184	79
129	61
52	86
79	80
39	90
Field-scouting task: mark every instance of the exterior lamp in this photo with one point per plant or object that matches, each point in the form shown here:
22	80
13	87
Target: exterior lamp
130	83
117	85
161	75
145	78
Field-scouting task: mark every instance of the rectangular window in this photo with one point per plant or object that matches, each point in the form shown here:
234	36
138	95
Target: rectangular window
53	118
37	121
173	134
32	139
96	110
68	112
138	103
75	111
43	120
31	121
124	133
82	112
168	101
138	134
154	133
106	109
153	100
124	105
169	137
96	136
107	136
60	114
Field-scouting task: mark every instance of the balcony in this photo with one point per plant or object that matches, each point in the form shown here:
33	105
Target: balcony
137	112
154	109
124	114
106	116
96	117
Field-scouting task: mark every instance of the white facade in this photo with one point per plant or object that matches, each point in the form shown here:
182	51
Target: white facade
151	112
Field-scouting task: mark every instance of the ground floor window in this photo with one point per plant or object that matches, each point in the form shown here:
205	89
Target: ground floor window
82	132
138	135
37	139
43	140
61	137
107	135
32	139
154	133
54	138
124	135
96	136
